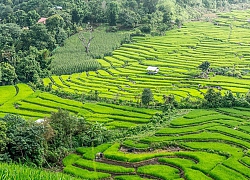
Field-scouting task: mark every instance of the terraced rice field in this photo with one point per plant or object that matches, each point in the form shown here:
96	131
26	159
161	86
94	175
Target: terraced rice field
203	144
22	100
177	54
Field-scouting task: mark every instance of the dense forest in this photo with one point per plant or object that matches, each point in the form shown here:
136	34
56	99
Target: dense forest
27	46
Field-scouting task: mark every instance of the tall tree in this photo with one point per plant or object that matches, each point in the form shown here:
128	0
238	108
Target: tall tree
85	39
3	137
147	96
20	17
113	12
54	23
212	99
25	140
204	66
8	73
32	17
150	6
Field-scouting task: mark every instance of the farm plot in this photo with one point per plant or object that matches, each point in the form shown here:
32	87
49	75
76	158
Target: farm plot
34	105
178	54
71	58
204	144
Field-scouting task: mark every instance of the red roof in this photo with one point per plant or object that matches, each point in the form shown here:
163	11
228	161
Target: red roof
42	20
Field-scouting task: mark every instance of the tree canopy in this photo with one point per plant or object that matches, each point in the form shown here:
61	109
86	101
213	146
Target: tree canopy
147	96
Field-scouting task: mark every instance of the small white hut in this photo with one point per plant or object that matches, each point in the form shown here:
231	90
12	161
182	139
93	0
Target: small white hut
152	70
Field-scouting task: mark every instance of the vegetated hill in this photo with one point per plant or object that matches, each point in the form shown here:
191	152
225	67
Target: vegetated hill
224	43
204	144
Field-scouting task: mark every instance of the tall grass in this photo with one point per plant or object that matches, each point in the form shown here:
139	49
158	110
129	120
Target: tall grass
18	172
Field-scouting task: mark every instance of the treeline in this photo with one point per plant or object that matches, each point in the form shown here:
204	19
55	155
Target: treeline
125	12
213	98
26	45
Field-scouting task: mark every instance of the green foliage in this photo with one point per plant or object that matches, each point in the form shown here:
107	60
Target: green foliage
3	137
64	126
112	13
68	131
8	73
248	97
204	66
71	131
54	22
9	36
212	99
39	37
147	96
25	140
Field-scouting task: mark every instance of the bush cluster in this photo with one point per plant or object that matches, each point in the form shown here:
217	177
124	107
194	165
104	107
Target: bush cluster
45	143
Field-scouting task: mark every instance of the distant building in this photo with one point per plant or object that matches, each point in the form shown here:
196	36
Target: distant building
58	7
152	70
39	121
42	20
